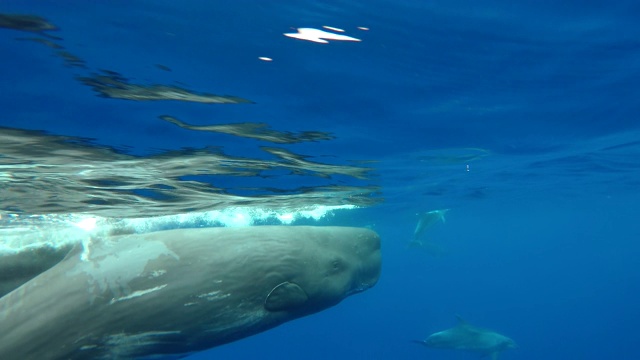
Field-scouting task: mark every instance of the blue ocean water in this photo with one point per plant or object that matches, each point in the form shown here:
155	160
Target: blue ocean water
521	118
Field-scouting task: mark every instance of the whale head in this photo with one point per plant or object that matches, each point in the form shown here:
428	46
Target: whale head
329	267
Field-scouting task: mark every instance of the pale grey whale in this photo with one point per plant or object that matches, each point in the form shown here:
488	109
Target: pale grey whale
175	292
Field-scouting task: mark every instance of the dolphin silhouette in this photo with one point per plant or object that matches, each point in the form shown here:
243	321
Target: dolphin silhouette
469	338
426	221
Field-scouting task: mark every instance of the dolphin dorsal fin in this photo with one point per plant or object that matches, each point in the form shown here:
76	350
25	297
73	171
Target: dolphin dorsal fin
442	214
460	320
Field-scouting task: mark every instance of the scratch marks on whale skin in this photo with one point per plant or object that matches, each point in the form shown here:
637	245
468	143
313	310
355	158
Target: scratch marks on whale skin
136	294
157	273
213	295
123	345
112	266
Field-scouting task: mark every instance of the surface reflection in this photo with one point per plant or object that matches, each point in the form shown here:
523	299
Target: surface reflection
44	174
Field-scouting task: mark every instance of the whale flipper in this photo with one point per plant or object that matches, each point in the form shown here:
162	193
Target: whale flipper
285	296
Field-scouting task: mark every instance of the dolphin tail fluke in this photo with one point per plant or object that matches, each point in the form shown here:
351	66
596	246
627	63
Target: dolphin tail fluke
414	243
428	246
421	342
434	249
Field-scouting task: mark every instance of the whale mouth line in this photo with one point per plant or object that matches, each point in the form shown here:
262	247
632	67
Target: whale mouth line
361	288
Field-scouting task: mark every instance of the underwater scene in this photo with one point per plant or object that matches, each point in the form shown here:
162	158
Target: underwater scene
319	180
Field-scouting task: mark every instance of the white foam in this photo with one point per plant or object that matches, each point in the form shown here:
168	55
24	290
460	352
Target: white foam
23	232
87	224
234	217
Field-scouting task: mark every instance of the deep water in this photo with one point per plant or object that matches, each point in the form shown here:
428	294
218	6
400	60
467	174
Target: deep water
522	118
557	275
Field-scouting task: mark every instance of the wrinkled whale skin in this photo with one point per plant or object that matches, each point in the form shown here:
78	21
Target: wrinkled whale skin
180	291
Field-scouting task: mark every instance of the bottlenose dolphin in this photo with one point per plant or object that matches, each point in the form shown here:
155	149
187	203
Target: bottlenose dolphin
180	291
469	338
426	221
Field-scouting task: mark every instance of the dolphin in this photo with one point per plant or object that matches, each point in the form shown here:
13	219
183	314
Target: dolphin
426	221
469	338
176	292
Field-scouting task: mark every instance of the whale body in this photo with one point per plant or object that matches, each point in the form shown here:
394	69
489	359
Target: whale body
176	292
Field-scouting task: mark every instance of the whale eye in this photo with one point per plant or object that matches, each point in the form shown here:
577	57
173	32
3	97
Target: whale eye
336	265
